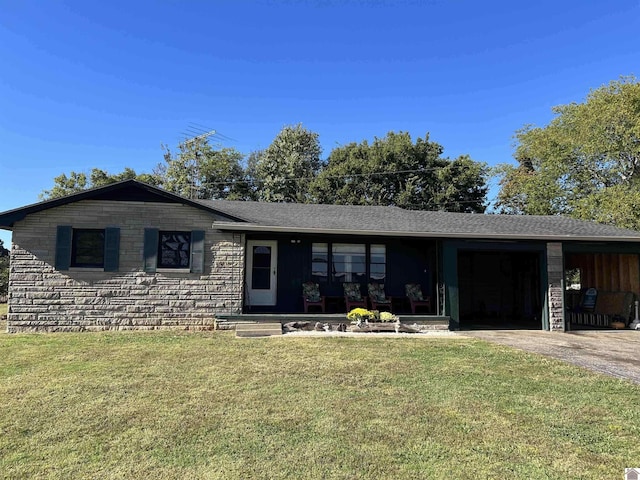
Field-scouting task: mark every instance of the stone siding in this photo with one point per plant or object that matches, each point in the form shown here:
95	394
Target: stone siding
44	299
555	274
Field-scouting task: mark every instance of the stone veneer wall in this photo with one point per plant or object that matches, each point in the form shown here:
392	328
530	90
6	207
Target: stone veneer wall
555	273
44	299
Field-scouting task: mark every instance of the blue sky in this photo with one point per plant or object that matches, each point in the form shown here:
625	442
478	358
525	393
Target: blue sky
88	84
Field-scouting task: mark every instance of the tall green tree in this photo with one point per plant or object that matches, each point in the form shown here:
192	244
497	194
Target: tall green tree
394	170
462	186
197	170
4	270
585	163
78	181
284	171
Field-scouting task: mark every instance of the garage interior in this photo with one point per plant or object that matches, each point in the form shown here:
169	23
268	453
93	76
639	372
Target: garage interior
499	290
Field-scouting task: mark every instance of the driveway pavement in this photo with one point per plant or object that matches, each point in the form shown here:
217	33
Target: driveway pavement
612	352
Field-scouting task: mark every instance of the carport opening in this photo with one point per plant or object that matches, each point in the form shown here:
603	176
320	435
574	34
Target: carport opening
616	280
499	290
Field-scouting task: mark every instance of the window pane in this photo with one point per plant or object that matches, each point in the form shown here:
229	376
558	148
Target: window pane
349	248
319	250
174	249
378	254
261	279
318	268
378	262
262	257
378	272
348	262
261	268
87	248
319	262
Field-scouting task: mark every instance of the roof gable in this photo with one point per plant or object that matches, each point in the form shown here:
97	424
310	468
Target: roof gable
127	190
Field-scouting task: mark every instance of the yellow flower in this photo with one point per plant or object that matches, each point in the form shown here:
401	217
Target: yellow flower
388	317
360	313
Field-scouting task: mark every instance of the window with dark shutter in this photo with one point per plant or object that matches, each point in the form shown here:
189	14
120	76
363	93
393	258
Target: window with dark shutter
87	248
173	249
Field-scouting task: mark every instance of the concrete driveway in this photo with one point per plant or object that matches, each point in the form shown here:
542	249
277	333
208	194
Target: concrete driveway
612	352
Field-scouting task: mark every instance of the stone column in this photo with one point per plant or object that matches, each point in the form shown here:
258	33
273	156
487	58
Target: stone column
555	274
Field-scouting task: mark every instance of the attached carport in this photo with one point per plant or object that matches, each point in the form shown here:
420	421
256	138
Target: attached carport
608	268
500	289
497	285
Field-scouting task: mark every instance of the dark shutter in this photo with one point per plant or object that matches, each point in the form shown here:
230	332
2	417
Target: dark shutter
197	251
63	247
111	249
150	249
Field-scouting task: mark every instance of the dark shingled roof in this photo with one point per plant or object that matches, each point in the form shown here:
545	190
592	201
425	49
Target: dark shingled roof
378	220
347	219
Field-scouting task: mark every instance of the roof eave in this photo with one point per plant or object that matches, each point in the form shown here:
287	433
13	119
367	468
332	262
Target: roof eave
252	227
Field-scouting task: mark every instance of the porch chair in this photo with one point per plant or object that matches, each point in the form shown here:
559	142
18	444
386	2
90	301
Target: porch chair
377	297
311	296
416	299
353	296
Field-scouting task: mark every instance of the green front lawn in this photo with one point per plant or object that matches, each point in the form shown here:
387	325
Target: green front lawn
3	309
208	405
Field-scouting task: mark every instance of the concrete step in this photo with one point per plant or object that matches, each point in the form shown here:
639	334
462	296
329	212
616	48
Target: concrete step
258	329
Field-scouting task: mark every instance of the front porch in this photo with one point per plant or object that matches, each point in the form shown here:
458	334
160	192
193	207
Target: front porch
277	266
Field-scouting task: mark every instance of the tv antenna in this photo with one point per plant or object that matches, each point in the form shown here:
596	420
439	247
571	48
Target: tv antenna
201	136
194	134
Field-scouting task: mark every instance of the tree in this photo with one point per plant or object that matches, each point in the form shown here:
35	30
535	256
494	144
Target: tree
4	270
584	163
285	170
78	181
396	171
462	186
251	175
100	178
199	171
63	185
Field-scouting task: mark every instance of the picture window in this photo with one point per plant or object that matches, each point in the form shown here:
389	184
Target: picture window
350	262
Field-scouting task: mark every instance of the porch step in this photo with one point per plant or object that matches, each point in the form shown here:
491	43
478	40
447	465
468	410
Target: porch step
265	329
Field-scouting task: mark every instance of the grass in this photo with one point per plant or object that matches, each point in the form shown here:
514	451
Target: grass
3	309
208	405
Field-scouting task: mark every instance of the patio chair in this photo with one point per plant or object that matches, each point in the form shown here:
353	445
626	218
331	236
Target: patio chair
353	297
311	296
416	299
377	297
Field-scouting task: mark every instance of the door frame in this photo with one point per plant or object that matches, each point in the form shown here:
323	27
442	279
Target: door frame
262	297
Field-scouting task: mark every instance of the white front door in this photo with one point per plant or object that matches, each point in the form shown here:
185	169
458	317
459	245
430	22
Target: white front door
262	274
